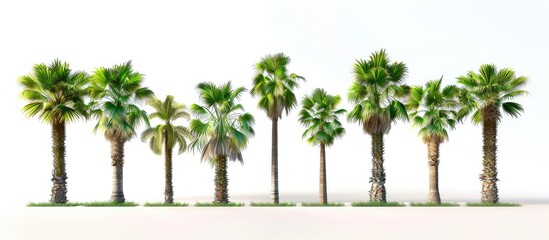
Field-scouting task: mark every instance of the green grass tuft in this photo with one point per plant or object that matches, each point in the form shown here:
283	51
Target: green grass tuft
377	204
209	204
322	205
282	204
48	204
109	204
444	204
492	204
161	204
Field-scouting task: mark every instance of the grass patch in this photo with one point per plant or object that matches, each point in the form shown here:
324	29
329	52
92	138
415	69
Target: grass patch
49	204
322	205
161	204
282	204
377	204
109	204
209	204
444	204
492	204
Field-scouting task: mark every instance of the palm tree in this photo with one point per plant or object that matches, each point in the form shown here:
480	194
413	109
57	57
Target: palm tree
167	135
488	93
118	92
220	130
56	95
320	116
377	85
275	86
433	111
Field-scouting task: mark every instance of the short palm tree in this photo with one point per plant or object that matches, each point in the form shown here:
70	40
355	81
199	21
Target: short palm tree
56	95
221	130
275	87
118	92
488	94
320	116
378	85
167	135
433	110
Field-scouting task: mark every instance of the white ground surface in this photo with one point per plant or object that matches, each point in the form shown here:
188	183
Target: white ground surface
530	222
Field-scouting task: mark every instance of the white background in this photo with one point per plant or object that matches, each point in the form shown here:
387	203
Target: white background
178	44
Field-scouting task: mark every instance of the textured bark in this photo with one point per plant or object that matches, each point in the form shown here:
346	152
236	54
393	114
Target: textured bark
377	191
168	190
433	156
489	172
323	196
221	180
117	156
59	175
274	162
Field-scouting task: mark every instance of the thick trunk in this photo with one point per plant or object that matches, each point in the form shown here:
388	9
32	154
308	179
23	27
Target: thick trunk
274	162
489	172
323	197
433	155
168	190
221	180
377	191
117	156
59	175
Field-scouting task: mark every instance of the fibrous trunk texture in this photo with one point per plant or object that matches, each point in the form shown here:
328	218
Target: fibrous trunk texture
221	180
59	175
323	197
377	191
168	190
489	173
274	162
117	156
433	155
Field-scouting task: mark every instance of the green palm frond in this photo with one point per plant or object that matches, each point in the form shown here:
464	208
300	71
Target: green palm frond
320	116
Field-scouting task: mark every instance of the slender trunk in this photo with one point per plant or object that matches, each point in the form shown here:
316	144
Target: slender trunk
274	162
433	155
323	187
221	180
59	175
377	191
489	172
168	190
117	156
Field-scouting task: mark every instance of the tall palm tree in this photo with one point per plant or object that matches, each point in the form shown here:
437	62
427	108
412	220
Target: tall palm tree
320	116
56	94
433	110
220	130
488	93
275	86
118	92
378	85
167	135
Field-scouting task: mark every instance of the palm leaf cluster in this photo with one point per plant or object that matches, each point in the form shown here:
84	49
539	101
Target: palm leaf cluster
320	115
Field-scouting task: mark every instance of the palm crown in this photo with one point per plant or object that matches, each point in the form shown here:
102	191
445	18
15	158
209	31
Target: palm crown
118	91
275	86
489	91
55	92
221	127
320	116
167	111
433	109
377	85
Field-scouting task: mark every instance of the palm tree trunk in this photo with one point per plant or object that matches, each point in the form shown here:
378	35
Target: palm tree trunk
489	172
433	155
221	180
274	162
323	187
117	156
59	175
377	191
168	190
